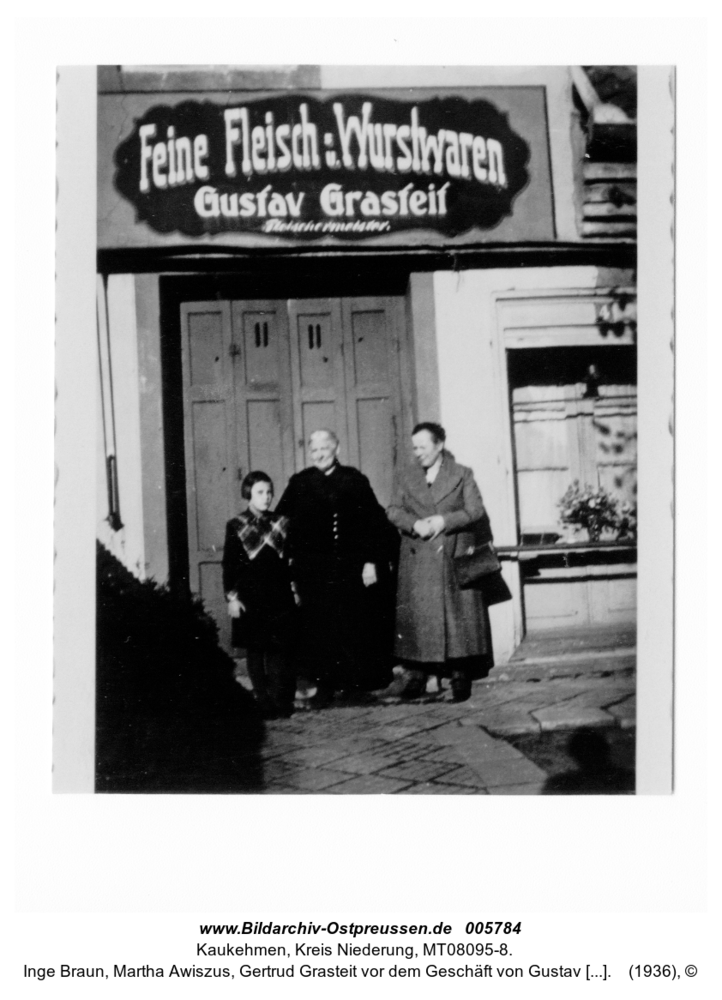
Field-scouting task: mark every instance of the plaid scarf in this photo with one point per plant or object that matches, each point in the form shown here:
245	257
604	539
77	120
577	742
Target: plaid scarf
268	529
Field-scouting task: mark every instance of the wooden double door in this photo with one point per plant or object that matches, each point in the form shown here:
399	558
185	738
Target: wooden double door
258	378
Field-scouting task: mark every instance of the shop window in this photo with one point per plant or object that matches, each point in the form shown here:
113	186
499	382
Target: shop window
574	416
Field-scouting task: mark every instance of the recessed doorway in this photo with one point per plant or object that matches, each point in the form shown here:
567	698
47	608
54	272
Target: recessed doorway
258	376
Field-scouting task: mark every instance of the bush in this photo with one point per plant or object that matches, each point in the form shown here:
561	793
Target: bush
170	716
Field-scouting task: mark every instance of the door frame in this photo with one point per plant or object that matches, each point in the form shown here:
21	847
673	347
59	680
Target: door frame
509	338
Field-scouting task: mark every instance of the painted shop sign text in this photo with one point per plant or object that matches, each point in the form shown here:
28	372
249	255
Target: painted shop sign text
351	166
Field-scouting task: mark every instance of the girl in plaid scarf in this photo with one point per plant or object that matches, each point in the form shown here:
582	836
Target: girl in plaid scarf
257	583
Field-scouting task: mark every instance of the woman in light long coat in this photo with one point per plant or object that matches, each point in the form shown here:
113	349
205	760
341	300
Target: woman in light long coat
440	628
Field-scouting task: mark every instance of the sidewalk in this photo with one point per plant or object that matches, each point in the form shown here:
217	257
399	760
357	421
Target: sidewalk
510	738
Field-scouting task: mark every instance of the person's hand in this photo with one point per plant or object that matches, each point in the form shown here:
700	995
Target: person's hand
235	607
368	574
436	525
422	528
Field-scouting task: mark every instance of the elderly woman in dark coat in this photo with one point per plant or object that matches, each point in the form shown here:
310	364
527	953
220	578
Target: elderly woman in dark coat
440	628
337	538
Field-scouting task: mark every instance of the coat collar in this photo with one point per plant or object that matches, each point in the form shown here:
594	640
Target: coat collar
449	476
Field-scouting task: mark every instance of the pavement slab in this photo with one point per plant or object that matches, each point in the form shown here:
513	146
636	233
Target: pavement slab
419	770
534	788
508	720
434	788
498	694
600	696
462	777
361	764
311	779
276	788
393	733
572	717
507	772
315	756
444	755
371	784
277	770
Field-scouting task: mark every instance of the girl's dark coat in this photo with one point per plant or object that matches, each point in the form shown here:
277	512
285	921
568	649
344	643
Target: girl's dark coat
264	586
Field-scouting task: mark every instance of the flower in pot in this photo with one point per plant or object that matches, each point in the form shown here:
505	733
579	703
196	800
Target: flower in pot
591	509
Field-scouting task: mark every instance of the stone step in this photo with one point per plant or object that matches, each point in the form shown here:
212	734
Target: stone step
621	662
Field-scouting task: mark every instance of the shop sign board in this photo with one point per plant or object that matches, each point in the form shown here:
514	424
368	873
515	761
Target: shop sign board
313	169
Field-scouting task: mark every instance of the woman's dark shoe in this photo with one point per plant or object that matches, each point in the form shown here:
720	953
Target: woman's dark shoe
460	686
409	684
415	684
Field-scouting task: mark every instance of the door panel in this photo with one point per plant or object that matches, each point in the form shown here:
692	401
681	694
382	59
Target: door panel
264	437
369	342
259	334
210	461
205	337
262	390
371	339
620	598
555	603
375	445
210	449
318	384
316	351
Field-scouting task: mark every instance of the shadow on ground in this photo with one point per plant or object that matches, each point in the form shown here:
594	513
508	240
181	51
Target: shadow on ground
583	761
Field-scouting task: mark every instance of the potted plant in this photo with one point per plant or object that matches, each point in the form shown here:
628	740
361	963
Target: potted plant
594	510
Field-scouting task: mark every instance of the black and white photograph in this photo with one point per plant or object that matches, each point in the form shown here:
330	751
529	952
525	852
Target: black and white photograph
364	405
367	442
